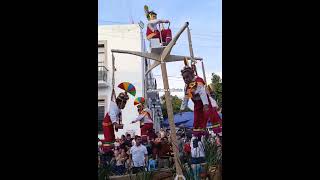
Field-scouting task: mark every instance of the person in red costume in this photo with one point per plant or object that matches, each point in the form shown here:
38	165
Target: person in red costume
111	121
145	118
215	119
196	91
152	27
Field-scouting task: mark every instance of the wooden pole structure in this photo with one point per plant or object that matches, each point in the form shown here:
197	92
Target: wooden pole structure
162	58
170	118
204	73
192	55
190	43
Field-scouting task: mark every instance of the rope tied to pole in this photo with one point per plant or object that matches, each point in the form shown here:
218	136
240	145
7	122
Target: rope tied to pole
113	95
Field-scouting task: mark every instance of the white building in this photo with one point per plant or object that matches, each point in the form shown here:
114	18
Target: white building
129	68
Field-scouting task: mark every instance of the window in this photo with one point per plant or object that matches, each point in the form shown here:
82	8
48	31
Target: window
100	118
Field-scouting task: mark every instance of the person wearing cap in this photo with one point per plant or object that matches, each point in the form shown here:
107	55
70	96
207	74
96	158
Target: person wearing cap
145	119
196	91
152	27
112	119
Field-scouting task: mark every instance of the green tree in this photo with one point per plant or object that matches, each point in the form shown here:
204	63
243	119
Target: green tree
216	81
176	104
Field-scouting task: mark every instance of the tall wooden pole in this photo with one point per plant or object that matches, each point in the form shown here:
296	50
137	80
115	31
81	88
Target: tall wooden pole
204	73
190	43
162	58
192	55
170	118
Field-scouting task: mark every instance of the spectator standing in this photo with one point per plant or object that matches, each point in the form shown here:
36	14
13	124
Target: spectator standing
138	156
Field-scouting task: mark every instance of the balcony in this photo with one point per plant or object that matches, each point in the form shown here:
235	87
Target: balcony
102	76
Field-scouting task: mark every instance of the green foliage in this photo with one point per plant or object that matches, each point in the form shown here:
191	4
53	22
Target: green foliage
145	175
176	104
213	152
213	157
187	171
104	172
217	84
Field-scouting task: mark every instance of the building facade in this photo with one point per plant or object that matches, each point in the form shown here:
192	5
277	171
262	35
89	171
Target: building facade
129	68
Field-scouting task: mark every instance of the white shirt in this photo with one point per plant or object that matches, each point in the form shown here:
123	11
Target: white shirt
114	112
138	153
116	144
162	134
213	102
145	117
197	152
152	24
203	95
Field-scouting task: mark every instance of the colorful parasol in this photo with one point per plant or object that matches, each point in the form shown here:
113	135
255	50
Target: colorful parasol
128	87
139	100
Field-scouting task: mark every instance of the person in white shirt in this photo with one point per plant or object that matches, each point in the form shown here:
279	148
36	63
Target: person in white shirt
195	90
138	156
197	156
112	119
215	118
204	109
162	133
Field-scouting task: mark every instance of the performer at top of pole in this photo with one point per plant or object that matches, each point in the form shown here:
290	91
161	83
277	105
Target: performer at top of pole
203	109
145	118
164	35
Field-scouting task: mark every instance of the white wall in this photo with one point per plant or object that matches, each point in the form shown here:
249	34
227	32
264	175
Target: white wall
129	67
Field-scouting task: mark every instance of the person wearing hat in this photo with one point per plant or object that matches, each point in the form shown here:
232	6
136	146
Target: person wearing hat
145	118
152	27
196	91
112	119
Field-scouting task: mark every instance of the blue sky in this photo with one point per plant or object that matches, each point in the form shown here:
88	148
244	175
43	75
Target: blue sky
205	22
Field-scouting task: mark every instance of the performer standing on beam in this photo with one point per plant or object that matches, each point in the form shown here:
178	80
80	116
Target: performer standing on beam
145	118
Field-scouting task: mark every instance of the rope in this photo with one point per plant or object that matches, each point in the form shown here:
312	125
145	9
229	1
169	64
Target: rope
113	95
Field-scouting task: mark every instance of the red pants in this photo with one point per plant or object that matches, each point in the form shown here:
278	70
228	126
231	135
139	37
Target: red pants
146	130
201	118
166	35
215	119
108	133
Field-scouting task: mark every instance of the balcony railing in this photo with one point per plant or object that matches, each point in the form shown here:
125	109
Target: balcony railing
102	73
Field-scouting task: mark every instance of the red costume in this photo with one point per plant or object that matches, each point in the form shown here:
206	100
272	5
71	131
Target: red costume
166	34
198	94
145	118
111	121
215	119
152	28
146	125
108	127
